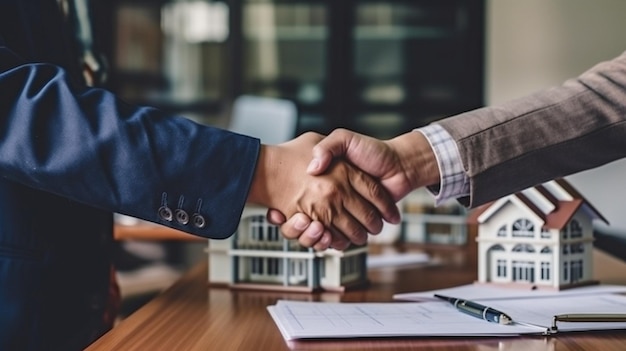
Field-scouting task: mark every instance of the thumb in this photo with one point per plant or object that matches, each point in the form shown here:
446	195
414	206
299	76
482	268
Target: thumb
334	145
275	217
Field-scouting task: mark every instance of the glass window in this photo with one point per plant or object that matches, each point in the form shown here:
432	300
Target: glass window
575	230
523	228
257	227
501	268
502	231
284	46
523	271
545	270
523	248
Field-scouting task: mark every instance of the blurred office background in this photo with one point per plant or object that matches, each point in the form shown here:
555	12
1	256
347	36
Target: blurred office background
378	67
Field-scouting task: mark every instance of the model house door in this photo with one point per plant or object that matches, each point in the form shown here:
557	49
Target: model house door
298	272
523	271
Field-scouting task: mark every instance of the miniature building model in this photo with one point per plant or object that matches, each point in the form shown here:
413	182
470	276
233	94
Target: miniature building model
541	237
423	222
259	257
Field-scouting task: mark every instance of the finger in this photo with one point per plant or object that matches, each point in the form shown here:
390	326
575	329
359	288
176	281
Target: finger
275	217
312	235
334	145
339	242
296	225
324	242
379	202
346	226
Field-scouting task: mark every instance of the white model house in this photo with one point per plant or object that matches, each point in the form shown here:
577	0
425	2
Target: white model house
541	237
259	257
425	223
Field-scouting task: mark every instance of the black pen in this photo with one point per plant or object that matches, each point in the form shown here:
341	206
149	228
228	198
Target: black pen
477	310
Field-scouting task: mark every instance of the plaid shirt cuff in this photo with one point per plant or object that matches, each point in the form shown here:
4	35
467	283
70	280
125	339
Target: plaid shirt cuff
454	182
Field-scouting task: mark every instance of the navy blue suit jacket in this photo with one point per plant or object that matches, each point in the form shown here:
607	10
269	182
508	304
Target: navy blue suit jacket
70	156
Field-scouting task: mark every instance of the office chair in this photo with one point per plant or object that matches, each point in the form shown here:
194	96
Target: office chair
272	120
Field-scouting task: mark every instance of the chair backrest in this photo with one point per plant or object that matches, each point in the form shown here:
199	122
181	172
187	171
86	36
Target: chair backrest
269	119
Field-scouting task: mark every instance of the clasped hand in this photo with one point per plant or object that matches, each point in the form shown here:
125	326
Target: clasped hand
398	165
347	202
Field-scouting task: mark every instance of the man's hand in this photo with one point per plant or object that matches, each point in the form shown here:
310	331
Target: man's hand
347	202
401	164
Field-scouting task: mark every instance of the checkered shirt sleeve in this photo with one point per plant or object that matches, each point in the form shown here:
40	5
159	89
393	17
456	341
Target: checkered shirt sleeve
454	182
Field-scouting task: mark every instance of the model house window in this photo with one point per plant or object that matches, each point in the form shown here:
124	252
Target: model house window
545	233
565	249
566	271
257	265
273	233
577	270
577	248
501	268
257	224
274	267
523	248
545	270
349	265
502	231
546	250
497	248
575	230
297	267
523	228
523	271
262	231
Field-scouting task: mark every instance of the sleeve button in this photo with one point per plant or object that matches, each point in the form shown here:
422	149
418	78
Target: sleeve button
165	213
182	217
198	221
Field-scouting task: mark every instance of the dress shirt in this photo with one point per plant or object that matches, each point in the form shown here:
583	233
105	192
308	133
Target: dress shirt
454	182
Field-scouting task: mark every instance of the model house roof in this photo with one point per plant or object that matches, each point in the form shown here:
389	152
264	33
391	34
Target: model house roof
555	202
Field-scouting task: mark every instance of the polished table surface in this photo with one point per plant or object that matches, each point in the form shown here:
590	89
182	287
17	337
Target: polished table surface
191	315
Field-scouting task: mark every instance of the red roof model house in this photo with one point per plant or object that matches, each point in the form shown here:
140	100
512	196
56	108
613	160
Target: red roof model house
541	237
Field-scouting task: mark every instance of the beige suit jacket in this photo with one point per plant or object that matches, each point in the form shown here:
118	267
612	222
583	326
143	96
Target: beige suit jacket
549	134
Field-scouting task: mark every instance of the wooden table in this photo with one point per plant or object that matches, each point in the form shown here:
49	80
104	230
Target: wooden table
193	316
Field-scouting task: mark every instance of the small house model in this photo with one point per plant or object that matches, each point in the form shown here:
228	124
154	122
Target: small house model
541	237
259	257
425	223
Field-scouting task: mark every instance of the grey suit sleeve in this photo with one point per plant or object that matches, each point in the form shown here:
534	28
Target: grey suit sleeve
552	133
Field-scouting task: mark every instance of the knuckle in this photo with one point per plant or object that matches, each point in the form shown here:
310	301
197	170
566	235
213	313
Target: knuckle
288	231
373	221
304	241
377	191
357	236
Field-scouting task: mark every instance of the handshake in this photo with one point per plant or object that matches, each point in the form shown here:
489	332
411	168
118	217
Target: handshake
332	191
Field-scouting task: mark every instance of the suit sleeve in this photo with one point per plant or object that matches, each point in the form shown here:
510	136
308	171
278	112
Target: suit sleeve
553	133
90	147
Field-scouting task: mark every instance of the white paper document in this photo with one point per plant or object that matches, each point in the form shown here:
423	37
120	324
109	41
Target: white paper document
323	320
482	291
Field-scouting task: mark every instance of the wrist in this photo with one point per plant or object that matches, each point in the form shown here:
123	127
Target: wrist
417	159
259	189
